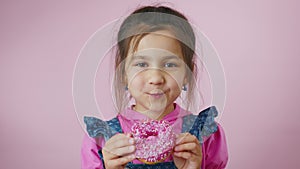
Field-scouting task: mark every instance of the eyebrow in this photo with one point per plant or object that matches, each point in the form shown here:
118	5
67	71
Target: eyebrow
147	57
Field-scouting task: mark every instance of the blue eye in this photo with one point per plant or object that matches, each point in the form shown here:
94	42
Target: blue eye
171	65
142	64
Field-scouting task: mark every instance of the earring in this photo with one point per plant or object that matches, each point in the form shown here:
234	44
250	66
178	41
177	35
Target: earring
184	88
126	88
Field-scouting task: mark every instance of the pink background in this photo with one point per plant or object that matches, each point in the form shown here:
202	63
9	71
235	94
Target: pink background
258	42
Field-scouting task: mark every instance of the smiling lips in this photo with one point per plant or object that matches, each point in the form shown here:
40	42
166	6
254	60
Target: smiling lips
156	94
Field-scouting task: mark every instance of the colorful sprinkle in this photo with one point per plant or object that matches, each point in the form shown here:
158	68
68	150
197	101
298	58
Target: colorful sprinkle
154	140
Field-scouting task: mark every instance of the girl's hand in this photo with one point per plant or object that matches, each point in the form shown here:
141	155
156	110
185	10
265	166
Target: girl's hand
118	151
187	152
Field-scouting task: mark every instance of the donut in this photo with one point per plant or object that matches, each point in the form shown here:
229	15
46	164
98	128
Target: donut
154	140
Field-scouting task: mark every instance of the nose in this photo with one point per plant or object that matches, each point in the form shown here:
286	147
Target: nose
155	77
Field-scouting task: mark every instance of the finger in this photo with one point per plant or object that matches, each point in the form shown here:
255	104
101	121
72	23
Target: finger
114	163
121	151
118	141
186	138
194	147
119	136
185	155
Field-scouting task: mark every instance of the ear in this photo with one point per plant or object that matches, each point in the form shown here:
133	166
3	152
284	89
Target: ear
185	80
124	73
124	79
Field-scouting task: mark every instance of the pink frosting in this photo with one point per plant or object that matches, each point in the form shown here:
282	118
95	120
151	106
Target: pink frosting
154	140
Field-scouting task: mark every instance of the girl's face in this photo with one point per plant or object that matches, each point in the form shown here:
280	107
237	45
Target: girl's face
155	73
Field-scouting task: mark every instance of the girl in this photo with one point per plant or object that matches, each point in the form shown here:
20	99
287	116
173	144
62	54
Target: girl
154	66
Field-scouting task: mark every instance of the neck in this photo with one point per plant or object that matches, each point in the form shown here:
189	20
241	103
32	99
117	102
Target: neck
157	115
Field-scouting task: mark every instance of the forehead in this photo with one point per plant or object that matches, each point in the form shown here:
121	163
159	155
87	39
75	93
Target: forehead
159	43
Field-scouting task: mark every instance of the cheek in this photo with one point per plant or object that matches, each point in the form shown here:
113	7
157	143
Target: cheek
136	81
177	80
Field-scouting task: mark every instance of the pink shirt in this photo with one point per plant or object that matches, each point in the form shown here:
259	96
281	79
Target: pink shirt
214	147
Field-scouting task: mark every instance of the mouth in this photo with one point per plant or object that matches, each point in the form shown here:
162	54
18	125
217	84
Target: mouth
156	94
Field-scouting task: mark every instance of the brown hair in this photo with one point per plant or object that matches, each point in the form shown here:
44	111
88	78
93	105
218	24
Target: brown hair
142	22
